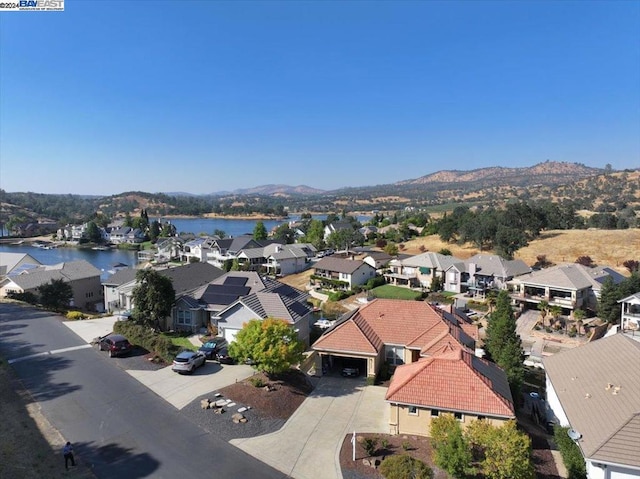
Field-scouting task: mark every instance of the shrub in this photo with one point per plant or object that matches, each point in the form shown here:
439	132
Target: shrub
404	466
384	442
406	445
148	339
375	282
27	297
570	453
75	315
257	381
371	380
370	445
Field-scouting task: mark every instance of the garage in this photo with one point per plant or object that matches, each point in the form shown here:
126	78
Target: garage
344	363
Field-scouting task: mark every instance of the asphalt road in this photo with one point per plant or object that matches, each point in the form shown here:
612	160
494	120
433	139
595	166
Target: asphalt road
118	427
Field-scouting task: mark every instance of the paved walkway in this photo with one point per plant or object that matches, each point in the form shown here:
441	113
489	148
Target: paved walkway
310	440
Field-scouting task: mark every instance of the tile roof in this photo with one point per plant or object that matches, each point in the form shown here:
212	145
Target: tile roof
432	260
571	276
454	380
585	380
413	324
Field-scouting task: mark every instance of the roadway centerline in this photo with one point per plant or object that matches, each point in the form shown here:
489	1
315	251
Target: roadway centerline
47	353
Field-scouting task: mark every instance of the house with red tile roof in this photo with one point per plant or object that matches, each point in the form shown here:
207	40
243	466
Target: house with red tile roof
451	381
395	332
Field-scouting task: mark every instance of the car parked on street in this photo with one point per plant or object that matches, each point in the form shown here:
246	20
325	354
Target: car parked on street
115	344
188	361
211	348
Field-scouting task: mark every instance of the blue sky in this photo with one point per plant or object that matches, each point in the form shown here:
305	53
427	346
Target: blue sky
204	96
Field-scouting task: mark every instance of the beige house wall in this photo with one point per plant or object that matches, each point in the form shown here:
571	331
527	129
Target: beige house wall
401	422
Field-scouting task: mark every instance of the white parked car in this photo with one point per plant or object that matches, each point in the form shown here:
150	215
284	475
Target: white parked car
324	323
188	361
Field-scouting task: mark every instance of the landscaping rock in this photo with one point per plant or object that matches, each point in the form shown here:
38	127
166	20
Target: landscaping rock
218	410
205	404
237	418
366	462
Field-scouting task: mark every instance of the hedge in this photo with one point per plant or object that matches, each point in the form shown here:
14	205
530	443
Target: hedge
570	452
147	338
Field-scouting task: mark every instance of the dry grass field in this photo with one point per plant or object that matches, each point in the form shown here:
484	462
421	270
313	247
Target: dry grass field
605	247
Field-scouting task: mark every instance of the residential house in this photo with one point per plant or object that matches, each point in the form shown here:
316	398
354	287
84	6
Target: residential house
197	249
368	231
83	278
337	226
277	300
203	304
571	286
488	272
228	249
394	332
630	314
595	390
451	381
348	272
14	262
422	269
377	259
126	234
185	279
288	259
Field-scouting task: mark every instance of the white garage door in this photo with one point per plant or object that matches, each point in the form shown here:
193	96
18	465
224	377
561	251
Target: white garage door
230	334
622	473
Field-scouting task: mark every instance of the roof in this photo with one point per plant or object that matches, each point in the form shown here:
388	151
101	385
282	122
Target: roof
339	265
413	324
634	298
8	261
572	276
190	276
598	386
493	265
70	271
454	380
121	277
227	288
431	260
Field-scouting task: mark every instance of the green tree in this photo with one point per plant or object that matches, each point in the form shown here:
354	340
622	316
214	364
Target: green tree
578	316
543	307
556	312
315	234
56	294
450	450
404	466
271	343
93	232
154	230
260	231
285	233
391	249
503	344
153	298
127	220
502	452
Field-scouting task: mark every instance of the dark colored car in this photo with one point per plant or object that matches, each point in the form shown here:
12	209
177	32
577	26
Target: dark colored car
223	357
211	348
116	344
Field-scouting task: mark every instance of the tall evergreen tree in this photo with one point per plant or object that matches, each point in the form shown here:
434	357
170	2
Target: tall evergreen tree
503	344
259	231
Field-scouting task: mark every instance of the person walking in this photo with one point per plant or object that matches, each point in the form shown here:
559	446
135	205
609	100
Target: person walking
67	451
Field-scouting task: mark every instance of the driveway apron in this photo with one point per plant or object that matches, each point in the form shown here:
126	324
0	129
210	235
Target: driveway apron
310	440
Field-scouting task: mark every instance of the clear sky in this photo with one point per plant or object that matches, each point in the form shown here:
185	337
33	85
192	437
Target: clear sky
204	96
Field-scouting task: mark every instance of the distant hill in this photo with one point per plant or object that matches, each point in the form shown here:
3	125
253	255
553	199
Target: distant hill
549	172
276	190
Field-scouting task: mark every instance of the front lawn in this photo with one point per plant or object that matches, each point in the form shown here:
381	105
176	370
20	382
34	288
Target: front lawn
180	341
388	291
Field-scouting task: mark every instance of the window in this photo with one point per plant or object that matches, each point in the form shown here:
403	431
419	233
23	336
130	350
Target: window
435	413
413	410
184	317
458	416
394	355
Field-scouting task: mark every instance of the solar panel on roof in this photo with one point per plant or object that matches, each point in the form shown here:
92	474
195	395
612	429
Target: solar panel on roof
220	298
236	280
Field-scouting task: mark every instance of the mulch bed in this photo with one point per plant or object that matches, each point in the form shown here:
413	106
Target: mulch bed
416	446
279	399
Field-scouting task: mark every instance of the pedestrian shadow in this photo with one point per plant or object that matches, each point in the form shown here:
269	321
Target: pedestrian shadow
113	460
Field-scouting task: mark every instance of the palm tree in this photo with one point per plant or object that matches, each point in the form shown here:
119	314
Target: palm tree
543	306
578	315
555	311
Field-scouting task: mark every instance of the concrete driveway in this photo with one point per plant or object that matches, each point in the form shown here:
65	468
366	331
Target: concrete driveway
310	440
178	390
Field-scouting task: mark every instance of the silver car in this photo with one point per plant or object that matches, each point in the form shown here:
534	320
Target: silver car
188	361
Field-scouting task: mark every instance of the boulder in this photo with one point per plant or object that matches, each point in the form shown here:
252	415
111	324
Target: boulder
205	404
237	418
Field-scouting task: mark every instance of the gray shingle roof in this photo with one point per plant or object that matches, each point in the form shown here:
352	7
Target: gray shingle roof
121	277
339	265
571	276
585	381
437	261
71	271
190	276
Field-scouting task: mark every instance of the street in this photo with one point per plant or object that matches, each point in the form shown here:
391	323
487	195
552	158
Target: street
118	426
